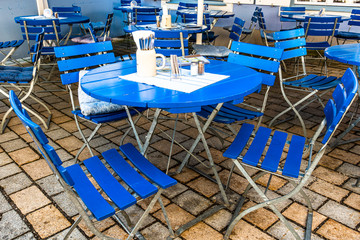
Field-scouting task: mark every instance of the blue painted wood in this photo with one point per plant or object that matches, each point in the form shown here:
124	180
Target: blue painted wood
274	152
144	15
147	168
339	96
294	157
93	200
260	50
132	178
82	62
347	53
290	11
113	189
63	20
69	51
169	42
240	141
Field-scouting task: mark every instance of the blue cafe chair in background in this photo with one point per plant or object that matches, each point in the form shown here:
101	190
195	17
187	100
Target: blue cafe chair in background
270	152
173	42
290	11
118	186
23	79
73	59
353	32
7	49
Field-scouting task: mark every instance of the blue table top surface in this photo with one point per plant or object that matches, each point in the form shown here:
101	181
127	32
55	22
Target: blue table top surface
189	28
213	13
346	53
104	83
130	9
301	17
62	20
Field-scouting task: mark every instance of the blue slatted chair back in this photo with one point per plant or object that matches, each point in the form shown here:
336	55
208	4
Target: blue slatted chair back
192	18
236	29
321	26
292	41
142	16
92	32
261	20
354	18
127	2
290	11
171	43
106	32
262	58
67	11
82	56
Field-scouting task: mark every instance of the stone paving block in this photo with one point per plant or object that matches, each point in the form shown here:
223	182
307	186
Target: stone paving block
11	225
350	185
101	226
177	216
216	155
345	156
244	230
27	236
204	186
334	231
163	147
37	169
8	170
349	170
160	160
298	214
353	201
63	201
4	205
275	184
47	221
201	231
70	143
330	176
219	220
156	231
7	136
50	185
115	232
144	203
279	231
98	142
70	126
75	235
329	190
340	213
135	212
237	183
175	190
29	199
192	202
24	155
15	183
57	134
330	162
261	218
186	175
13	145
4	159
255	197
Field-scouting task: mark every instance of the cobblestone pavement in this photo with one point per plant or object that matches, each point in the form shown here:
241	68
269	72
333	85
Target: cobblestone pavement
33	204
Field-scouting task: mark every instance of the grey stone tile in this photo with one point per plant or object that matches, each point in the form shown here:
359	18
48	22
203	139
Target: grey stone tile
57	134
15	183
50	185
65	204
349	170
11	225
350	185
4	205
8	170
27	236
156	231
175	190
192	202
4	159
279	231
7	136
340	213
75	235
13	145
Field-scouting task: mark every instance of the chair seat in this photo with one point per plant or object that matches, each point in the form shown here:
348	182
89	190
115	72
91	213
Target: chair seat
88	39
44	50
212	51
315	82
317	45
348	35
13	74
14	43
272	160
229	113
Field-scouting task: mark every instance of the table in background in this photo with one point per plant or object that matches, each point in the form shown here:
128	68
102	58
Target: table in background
215	14
301	17
189	28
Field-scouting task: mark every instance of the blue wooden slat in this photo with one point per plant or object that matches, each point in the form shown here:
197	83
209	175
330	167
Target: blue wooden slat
69	51
132	178
257	147
294	157
145	167
273	154
253	49
69	78
240	141
77	63
93	200
117	193
252	62
339	96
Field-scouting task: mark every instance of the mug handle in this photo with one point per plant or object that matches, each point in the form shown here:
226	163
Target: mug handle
163	61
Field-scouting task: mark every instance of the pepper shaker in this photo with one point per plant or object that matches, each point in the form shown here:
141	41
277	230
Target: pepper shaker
201	68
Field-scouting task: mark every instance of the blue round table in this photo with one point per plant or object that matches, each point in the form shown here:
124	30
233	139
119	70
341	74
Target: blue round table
301	17
128	9
62	20
189	28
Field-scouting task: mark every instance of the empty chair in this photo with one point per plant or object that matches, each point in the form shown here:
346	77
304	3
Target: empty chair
293	42
142	16
265	35
353	32
23	79
171	43
99	190
208	36
72	60
67	11
8	48
290	11
221	52
286	156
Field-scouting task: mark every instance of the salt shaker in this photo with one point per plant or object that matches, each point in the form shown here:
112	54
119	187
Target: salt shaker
194	68
201	68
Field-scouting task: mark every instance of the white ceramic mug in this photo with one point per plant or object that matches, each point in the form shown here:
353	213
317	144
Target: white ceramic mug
146	62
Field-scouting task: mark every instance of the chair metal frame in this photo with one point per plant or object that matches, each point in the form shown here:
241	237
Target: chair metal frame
11	47
266	152
84	56
26	88
290	11
353	22
294	44
112	176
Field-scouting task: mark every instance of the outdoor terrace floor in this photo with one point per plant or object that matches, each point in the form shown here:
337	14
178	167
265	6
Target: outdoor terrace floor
33	204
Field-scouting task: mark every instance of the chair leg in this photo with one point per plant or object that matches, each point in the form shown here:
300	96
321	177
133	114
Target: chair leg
85	140
72	228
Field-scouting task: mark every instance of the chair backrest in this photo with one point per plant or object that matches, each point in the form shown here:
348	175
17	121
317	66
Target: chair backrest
262	58
77	57
142	16
192	18
354	18
290	11
292	41
189	5
171	43
127	2
236	29
321	26
31	27
109	19
254	18
261	20
67	11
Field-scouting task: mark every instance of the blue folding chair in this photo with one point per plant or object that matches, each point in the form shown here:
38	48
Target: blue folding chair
270	151
75	58
293	42
351	34
120	185
7	49
171	42
67	11
221	52
289	11
143	16
23	79
266	36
